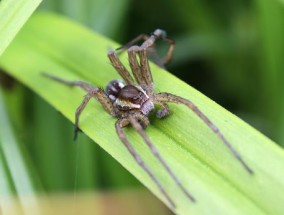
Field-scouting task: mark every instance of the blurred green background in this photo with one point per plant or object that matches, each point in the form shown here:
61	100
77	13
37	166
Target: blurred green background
230	50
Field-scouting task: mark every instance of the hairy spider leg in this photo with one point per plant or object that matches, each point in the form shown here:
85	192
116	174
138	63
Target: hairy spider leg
85	86
164	110
135	65
136	125
140	69
162	35
120	68
145	69
98	93
143	74
150	41
132	42
144	62
120	123
167	97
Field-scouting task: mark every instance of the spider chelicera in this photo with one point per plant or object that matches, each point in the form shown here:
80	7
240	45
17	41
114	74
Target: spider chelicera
132	99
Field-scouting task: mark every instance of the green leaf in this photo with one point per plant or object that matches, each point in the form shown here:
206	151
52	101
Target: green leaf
13	15
205	166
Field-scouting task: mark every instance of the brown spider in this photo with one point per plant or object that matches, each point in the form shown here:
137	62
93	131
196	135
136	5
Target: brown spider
131	101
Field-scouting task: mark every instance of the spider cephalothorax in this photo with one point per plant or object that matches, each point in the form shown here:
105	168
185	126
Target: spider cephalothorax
132	99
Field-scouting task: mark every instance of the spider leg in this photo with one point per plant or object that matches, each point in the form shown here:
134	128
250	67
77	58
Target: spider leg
79	111
85	86
149	41
95	92
161	34
132	42
134	64
145	69
120	123
167	97
119	67
101	96
141	70
144	62
170	51
164	111
136	125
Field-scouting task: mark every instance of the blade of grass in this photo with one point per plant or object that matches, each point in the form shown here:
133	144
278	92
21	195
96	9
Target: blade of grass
16	163
13	15
201	161
270	15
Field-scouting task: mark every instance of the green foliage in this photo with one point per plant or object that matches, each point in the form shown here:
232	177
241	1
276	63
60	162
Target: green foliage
13	14
15	174
269	14
201	161
230	50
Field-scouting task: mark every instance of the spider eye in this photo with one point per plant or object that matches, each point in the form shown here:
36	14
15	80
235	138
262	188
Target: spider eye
113	88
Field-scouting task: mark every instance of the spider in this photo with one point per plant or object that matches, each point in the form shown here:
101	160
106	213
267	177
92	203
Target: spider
132	99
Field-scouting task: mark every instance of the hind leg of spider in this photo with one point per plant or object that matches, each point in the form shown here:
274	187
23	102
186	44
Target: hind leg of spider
136	125
119	125
167	97
119	67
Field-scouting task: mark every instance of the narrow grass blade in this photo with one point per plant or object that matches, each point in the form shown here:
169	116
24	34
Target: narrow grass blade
13	15
18	171
270	15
